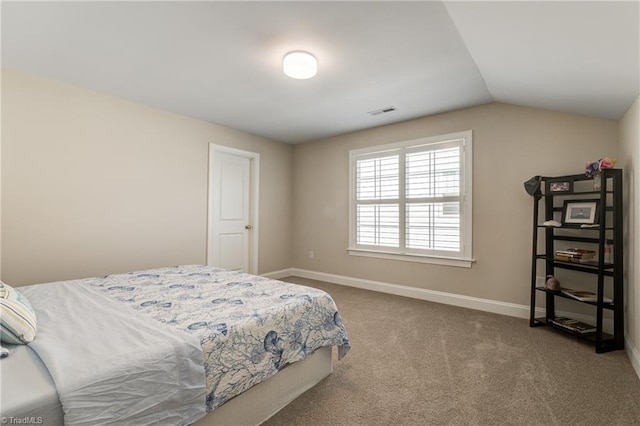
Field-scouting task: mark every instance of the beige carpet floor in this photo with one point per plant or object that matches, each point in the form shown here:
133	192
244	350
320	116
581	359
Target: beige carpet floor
420	363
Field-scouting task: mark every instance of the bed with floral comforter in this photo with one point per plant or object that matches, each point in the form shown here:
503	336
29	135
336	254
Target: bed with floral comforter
249	327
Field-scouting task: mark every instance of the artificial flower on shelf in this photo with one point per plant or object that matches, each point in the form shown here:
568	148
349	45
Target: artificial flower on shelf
594	168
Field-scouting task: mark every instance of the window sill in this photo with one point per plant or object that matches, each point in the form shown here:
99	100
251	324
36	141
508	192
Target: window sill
435	260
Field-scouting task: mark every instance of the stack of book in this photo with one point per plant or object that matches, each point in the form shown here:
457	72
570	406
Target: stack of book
573	325
576	255
584	296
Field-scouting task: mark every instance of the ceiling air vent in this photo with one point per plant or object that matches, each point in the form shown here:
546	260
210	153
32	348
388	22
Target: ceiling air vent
382	111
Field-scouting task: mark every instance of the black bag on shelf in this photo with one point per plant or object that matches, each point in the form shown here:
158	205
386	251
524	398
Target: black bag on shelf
532	186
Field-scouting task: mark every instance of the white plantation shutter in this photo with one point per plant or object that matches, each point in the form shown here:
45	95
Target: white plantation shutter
378	208
378	178
378	225
410	198
433	199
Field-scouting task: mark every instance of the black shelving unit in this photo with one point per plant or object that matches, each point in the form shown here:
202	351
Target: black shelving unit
609	232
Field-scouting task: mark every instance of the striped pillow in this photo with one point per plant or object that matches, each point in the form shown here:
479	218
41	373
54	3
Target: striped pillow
17	318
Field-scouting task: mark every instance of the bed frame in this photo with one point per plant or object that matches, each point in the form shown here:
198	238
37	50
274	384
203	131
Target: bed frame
265	399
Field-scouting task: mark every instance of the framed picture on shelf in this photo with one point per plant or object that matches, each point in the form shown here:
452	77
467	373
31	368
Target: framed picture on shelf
580	212
561	186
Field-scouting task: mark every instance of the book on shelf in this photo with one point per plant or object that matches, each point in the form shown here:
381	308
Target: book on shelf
575	260
585	296
579	253
573	325
575	255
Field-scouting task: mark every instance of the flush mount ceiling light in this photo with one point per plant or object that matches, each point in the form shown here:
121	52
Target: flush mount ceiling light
300	65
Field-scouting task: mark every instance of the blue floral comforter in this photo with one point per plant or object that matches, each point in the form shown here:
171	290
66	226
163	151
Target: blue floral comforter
249	326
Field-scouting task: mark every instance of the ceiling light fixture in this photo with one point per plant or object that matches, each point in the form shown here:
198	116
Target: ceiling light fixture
300	65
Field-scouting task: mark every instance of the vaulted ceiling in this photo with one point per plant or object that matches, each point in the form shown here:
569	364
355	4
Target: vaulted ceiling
221	61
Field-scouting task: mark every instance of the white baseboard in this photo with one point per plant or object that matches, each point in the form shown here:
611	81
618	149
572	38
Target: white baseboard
276	275
504	308
486	305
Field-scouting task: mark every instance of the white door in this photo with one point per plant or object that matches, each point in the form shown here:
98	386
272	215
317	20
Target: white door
231	224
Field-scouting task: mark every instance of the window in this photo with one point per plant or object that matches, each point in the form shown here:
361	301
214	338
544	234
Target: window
412	200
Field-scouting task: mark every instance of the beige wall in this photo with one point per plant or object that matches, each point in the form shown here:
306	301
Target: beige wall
93	184
511	144
630	162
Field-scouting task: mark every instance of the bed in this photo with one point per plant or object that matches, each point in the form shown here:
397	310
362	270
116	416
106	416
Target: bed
179	345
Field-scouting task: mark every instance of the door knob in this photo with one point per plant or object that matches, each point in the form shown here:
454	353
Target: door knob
248	227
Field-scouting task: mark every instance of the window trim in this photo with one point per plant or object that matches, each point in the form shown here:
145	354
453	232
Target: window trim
462	259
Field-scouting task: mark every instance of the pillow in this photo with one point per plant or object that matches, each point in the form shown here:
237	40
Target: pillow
17	318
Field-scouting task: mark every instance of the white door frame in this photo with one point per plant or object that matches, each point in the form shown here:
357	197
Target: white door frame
254	197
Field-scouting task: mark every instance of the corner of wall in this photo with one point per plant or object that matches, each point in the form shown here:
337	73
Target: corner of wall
0	180
633	354
629	160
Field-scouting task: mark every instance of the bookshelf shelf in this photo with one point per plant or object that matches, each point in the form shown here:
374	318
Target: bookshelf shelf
604	305
607	340
588	252
589	267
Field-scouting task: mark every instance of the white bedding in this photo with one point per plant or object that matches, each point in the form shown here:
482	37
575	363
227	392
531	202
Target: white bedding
26	389
111	365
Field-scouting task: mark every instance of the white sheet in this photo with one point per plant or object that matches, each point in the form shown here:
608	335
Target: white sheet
112	365
26	389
